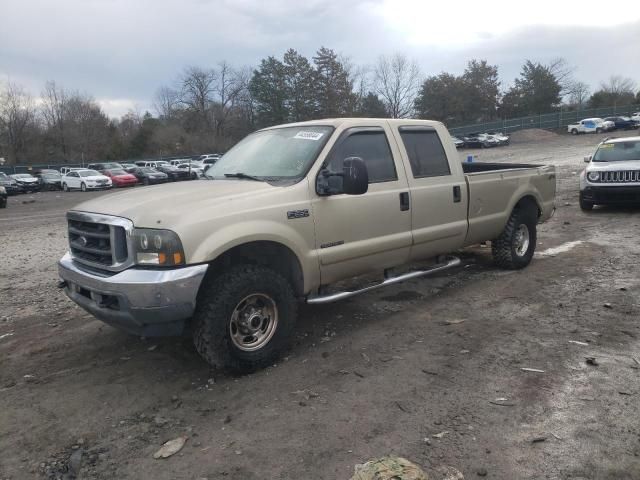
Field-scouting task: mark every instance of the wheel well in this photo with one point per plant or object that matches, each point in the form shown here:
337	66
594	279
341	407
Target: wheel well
528	202
266	253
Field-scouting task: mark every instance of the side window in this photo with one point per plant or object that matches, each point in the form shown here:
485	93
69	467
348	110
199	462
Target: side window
426	154
373	148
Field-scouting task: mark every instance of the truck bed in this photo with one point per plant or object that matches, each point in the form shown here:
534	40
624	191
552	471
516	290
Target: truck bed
493	189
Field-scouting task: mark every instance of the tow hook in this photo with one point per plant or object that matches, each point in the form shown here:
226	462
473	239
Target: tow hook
62	284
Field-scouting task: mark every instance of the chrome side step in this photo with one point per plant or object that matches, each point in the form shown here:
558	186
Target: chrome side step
334	297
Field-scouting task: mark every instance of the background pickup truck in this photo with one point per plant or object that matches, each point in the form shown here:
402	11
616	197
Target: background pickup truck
287	212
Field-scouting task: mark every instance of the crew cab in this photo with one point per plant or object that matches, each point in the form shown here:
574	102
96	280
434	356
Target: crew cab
281	218
612	176
590	125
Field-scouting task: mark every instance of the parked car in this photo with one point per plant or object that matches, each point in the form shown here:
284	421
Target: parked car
480	140
635	116
195	168
612	175
500	137
590	125
85	180
9	184
457	142
102	166
49	179
149	175
120	177
622	123
3	197
287	212
27	182
127	166
178	161
174	173
65	170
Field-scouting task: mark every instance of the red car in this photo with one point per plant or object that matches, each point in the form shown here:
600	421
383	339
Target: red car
120	178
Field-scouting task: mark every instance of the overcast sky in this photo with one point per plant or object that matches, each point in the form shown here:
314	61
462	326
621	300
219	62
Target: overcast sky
121	51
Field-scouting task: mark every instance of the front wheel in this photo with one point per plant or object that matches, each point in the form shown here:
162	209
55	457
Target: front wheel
585	206
65	188
514	248
3	202
574	131
83	187
598	130
244	318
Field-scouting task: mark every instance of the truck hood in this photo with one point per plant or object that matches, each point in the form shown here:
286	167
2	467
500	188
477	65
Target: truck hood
614	166
164	206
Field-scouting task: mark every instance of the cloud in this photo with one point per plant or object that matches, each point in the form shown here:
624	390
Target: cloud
121	51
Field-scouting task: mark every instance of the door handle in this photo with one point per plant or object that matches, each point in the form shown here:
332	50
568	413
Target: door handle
404	201
457	194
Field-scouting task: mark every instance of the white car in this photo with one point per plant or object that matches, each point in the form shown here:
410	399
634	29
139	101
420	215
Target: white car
197	169
590	125
500	137
178	161
612	175
85	180
635	116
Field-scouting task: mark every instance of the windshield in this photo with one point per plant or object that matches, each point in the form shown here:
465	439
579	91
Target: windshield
117	171
51	175
163	164
88	173
147	170
618	152
280	153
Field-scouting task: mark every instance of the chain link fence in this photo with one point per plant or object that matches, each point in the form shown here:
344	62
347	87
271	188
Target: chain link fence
549	120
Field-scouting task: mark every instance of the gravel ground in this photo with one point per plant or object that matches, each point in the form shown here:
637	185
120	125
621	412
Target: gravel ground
429	369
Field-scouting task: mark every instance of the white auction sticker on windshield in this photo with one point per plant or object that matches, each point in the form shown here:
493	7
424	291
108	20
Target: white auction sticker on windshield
309	135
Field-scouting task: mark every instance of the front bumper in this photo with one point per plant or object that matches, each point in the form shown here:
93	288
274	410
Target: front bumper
618	195
142	302
99	186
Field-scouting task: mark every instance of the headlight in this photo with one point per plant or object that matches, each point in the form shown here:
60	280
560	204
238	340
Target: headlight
593	176
3	190
157	247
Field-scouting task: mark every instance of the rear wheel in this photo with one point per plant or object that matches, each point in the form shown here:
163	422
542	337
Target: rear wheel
598	130
83	187
3	202
515	246
585	205
244	318
145	181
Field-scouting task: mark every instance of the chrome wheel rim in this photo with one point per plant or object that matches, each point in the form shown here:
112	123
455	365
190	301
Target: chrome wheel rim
522	240
253	322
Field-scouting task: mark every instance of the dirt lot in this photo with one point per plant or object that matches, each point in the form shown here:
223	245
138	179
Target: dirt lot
430	369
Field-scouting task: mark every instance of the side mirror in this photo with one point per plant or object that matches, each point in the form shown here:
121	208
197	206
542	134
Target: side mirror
355	176
354	179
588	158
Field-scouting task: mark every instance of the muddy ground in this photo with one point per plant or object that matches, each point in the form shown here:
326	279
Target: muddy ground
430	369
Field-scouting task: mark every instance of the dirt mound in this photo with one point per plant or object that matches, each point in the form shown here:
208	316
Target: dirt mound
533	134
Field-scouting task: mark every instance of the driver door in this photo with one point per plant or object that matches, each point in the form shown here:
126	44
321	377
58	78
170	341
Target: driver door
369	232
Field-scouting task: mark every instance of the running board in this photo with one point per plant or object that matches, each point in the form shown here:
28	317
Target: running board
334	297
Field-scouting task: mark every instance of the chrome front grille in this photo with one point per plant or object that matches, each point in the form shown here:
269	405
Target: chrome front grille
622	176
100	241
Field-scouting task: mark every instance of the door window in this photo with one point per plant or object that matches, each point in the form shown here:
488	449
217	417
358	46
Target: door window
370	145
426	154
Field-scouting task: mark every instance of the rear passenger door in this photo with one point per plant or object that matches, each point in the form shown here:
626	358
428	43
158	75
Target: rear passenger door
369	232
438	191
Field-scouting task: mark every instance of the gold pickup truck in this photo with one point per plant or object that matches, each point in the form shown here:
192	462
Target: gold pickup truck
284	215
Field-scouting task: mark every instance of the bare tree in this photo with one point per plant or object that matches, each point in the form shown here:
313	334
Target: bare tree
17	112
563	73
166	102
579	94
228	86
619	86
54	107
197	88
397	81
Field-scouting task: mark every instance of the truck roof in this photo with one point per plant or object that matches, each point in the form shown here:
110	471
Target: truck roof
336	122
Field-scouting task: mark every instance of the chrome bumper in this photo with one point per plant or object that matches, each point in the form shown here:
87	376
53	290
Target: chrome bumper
141	302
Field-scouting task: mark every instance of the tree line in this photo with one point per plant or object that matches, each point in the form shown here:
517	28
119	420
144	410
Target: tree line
208	109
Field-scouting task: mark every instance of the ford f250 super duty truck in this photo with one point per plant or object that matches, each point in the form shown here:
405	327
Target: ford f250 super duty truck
286	213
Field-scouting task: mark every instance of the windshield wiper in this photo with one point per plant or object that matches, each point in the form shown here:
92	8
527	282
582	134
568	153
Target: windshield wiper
243	175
